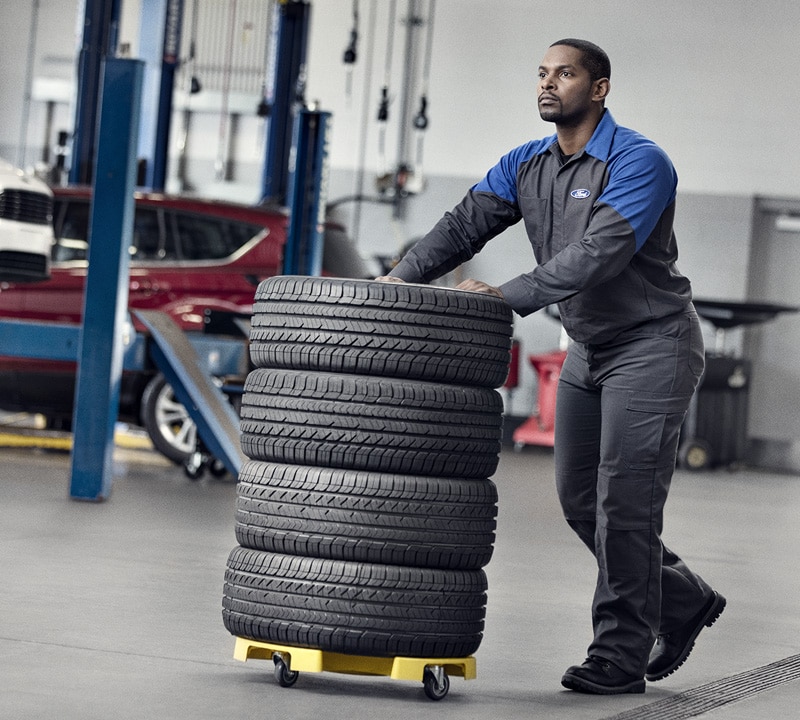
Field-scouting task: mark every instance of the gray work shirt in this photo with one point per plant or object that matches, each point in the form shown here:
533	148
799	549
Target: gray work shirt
599	223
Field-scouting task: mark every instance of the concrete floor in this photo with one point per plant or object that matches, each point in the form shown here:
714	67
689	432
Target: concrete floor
112	610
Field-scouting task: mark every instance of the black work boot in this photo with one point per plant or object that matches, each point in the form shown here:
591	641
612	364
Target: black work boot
672	649
601	677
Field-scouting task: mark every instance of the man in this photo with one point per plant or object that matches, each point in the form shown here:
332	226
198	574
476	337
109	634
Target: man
598	202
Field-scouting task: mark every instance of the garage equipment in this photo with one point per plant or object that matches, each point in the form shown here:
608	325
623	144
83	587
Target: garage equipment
308	181
189	361
216	420
715	431
290	661
98	44
284	92
539	428
105	299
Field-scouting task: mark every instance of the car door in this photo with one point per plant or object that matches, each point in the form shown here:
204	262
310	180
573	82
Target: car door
152	250
206	273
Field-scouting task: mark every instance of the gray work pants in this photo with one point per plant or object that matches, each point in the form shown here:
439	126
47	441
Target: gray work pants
619	411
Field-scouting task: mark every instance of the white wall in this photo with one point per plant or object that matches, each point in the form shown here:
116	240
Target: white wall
713	82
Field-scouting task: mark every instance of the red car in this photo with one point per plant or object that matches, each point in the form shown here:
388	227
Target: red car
187	256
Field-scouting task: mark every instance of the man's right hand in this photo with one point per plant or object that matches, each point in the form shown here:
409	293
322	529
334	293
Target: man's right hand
389	279
481	287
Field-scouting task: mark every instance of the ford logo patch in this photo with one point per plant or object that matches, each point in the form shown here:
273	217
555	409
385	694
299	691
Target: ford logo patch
581	193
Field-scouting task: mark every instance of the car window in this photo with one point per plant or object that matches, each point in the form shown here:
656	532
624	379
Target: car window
72	230
209	238
157	234
150	239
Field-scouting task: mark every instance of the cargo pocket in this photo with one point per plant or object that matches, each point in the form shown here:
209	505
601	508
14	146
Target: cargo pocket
651	432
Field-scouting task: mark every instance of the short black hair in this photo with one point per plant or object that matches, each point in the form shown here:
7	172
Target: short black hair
595	59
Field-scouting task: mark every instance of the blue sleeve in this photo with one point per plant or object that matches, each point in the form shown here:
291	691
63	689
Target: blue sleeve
488	208
501	180
642	184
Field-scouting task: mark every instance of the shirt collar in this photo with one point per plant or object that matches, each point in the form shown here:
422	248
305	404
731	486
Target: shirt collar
599	145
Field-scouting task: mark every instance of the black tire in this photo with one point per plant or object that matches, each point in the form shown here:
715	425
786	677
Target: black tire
366	517
364	423
364	327
169	425
357	608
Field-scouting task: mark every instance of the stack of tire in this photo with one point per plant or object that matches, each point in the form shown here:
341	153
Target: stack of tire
372	425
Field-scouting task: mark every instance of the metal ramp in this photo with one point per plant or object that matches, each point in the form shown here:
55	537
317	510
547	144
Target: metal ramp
206	403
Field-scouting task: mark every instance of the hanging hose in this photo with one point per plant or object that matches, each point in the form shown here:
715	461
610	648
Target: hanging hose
351	54
26	103
383	108
264	107
359	189
421	118
191	86
221	164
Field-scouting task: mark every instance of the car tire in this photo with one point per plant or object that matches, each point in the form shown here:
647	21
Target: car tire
381	329
169	425
356	608
380	518
366	423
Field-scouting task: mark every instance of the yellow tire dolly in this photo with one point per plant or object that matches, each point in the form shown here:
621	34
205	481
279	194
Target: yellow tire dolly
290	661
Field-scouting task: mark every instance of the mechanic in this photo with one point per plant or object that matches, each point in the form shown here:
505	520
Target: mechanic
598	202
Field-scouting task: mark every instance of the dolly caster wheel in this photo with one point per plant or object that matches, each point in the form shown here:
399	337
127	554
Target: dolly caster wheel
436	683
217	468
695	455
194	467
284	676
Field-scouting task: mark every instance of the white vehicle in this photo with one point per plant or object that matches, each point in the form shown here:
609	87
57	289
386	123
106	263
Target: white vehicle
26	226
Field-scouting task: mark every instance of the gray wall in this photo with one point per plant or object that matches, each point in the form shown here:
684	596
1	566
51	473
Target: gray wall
701	79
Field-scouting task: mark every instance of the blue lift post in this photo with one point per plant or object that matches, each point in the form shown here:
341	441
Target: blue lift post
98	41
106	299
287	63
308	185
159	45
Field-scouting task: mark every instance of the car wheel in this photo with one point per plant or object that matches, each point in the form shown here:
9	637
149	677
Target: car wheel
366	517
381	329
356	608
366	423
168	423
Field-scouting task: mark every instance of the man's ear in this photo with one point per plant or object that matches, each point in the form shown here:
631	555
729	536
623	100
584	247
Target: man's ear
601	89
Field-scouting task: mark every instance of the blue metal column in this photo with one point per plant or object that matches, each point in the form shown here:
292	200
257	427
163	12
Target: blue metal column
285	94
99	39
308	186
159	45
106	301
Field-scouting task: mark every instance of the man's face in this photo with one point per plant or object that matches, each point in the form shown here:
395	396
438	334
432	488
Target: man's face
565	88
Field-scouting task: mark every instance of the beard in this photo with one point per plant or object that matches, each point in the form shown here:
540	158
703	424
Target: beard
555	113
551	113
